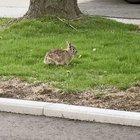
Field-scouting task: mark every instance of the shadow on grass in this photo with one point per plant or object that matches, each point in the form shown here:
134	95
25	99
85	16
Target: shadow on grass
53	66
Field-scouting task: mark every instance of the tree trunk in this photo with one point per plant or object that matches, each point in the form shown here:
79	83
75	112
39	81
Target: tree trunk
62	8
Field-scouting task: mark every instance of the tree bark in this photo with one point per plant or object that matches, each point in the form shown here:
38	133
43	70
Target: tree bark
62	8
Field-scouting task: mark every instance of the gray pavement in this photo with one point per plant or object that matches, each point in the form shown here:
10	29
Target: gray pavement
118	10
111	8
26	127
13	8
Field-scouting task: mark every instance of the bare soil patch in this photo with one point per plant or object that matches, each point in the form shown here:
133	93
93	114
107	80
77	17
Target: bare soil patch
111	98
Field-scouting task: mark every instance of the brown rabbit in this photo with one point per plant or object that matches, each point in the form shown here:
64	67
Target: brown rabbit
61	57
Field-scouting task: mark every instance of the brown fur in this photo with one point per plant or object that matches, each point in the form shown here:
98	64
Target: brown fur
60	57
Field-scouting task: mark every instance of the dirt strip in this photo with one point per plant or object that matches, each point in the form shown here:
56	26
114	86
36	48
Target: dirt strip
111	97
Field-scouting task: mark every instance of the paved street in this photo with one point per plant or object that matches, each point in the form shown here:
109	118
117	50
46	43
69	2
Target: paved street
25	127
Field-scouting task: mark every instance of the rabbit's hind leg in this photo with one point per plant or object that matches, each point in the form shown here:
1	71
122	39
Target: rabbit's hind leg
49	61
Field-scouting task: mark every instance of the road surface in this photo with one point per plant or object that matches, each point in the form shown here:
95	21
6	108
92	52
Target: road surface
26	127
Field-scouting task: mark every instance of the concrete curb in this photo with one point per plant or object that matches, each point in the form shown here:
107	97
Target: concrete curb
126	21
22	106
70	112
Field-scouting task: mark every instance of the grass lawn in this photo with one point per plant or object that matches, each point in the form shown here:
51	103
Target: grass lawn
108	52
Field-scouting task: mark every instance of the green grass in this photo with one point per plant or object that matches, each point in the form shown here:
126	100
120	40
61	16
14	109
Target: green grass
115	62
3	20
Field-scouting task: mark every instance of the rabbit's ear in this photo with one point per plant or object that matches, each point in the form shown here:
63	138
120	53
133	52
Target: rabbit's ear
68	43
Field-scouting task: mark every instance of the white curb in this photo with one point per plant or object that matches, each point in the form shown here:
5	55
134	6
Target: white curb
92	114
126	21
70	112
22	106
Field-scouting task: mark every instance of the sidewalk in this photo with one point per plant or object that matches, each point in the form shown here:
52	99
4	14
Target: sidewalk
13	8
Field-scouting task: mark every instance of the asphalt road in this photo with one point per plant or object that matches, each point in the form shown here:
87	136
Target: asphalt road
26	127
